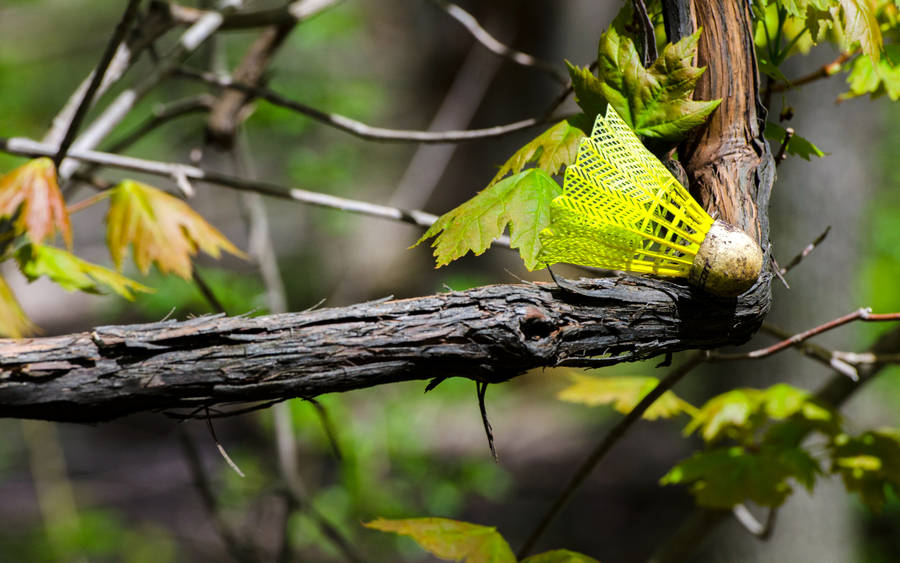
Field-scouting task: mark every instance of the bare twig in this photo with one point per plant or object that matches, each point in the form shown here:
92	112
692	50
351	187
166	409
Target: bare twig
824	71
208	293
609	440
482	36
29	147
301	9
358	128
162	114
782	150
224	454
87	98
648	37
816	352
761	530
119	108
153	26
235	546
863	314
286	443
806	251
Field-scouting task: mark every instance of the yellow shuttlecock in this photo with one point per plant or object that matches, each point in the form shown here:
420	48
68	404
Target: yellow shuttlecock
621	209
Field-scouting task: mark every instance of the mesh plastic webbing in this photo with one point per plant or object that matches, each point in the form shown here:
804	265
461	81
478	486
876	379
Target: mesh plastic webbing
621	209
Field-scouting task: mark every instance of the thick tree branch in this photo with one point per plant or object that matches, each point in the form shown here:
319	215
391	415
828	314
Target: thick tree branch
489	334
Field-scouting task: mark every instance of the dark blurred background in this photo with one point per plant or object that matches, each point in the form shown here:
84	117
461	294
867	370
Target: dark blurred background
407	65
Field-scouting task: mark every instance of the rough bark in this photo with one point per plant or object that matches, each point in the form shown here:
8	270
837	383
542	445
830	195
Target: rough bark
490	333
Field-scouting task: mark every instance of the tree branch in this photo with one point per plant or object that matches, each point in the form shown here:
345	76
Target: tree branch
493	45
487	334
358	128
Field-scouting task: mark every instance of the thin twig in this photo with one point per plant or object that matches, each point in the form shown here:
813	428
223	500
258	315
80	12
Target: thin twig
286	443
761	530
648	36
824	71
192	38
87	98
235	547
358	128
208	293
327	427
816	352
29	147
493	45
163	113
612	437
150	28
782	150
806	251
228	460
864	314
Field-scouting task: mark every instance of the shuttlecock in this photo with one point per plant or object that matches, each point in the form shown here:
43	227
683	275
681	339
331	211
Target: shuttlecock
621	209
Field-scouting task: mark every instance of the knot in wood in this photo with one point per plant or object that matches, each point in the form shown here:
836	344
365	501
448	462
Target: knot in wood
536	324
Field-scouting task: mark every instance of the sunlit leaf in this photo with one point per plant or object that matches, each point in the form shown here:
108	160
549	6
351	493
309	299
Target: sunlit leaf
161	229
861	26
559	556
739	413
724	477
656	102
798	145
550	151
72	273
869	464
31	195
875	78
13	321
624	393
450	539
521	201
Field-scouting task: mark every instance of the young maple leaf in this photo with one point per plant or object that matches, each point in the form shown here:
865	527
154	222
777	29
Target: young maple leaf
31	195
655	102
161	229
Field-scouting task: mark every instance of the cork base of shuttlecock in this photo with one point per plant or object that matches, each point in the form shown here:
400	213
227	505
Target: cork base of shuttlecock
728	262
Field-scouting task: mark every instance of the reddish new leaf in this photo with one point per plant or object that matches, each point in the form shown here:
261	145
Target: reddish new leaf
161	229
31	195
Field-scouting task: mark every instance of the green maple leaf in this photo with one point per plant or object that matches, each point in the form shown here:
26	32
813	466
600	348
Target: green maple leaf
655	102
739	413
724	477
875	78
624	393
521	201
451	539
72	273
550	151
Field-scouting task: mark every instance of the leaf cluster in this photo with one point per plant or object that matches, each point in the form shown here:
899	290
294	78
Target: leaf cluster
755	450
160	228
